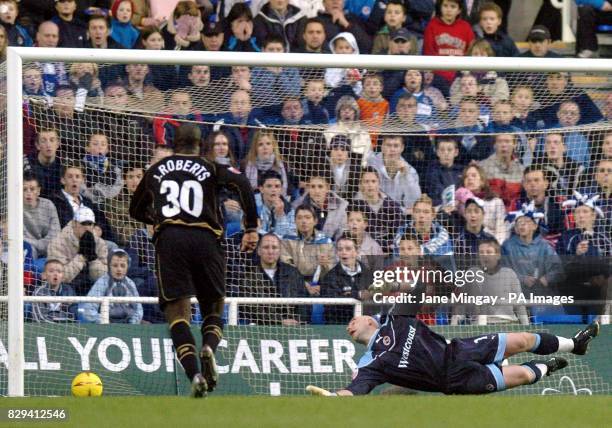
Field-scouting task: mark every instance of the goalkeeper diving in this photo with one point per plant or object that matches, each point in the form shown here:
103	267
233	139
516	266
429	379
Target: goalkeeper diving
403	351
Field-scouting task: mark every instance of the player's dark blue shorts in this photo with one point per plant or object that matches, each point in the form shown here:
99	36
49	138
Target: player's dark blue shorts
473	364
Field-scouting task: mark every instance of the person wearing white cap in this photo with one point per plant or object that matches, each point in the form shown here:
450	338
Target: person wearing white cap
83	254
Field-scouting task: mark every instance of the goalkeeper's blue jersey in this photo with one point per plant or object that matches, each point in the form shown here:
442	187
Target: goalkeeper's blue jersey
404	352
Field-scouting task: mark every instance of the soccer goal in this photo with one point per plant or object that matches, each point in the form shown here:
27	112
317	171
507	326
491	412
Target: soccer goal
105	115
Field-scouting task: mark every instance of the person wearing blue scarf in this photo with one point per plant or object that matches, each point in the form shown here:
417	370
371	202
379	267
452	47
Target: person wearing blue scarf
122	30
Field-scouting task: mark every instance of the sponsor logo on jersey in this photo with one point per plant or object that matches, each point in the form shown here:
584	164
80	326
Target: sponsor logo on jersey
406	348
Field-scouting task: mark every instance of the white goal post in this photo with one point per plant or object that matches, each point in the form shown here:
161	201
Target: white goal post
17	56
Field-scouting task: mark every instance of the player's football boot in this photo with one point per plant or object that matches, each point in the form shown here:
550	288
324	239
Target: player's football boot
199	386
583	337
209	367
554	364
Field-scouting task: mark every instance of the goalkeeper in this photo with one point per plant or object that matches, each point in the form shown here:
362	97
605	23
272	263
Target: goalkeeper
405	352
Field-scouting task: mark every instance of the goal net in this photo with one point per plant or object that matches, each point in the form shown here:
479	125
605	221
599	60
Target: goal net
415	168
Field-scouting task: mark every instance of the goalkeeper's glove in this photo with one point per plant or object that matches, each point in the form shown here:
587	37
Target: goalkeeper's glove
315	390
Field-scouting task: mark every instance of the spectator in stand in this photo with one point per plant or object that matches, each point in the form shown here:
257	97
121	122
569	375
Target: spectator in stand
274	210
141	250
217	149
240	78
53	285
140	87
69	199
373	107
82	254
401	42
198	84
180	109
475	144
399	179
16	35
566	175
344	167
447	34
244	117
84	81
503	170
501	122
427	110
435	239
103	176
313	37
394	20
72	31
444	172
419	12
348	278
162	76
418	148
532	258
490	18
559	88
141	15
536	185
522	106
472	231
385	216
183	28
212	40
263	156
115	283
40	221
540	42
336	21
45	164
122	30
347	115
368	250
270	277
279	18
4	44
309	250
54	73
274	82
346	81
602	186
576	142
98	30
117	209
240	37
474	180
466	86
330	209
312	103
498	281
591	14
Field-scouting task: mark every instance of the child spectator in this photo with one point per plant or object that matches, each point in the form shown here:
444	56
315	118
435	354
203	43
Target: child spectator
475	182
490	18
465	243
240	22
522	106
447	34
399	179
344	167
503	170
162	76
103	177
466	86
444	172
394	18
357	225
184	27
475	144
427	111
501	122
115	283
492	86
282	19
336	20
330	209
347	114
122	30
40	221
348	80
274	210
314	110
373	107
274	82
17	35
577	143
348	278
72	31
531	257
566	176
309	250
53	285
264	156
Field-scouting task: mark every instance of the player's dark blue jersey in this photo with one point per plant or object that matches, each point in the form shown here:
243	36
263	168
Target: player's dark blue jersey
405	352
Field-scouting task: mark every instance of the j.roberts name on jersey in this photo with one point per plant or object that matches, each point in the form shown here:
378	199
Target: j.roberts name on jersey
198	170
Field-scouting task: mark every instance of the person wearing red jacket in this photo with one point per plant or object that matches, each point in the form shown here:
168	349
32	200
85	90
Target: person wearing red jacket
447	34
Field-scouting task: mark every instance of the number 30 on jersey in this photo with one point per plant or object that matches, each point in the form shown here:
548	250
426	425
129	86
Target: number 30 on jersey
188	197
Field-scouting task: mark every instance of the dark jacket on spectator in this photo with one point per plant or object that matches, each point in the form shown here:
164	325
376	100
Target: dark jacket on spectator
383	223
267	23
72	34
355	28
501	43
553	222
589	112
17	35
48	176
439	177
338	283
65	213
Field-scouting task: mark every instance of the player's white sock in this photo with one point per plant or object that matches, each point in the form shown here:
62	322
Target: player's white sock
543	368
565	344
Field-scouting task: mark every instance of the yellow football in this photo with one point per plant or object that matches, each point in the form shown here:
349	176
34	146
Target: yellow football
87	384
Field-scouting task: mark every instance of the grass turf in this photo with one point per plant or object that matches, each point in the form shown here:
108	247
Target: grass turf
317	412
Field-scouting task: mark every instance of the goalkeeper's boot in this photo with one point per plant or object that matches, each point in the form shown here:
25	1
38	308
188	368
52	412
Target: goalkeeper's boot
199	386
209	367
583	337
554	364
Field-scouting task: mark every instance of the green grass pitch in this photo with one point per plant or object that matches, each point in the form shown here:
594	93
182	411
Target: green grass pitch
318	412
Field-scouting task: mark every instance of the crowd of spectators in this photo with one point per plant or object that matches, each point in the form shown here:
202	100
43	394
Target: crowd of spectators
353	170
